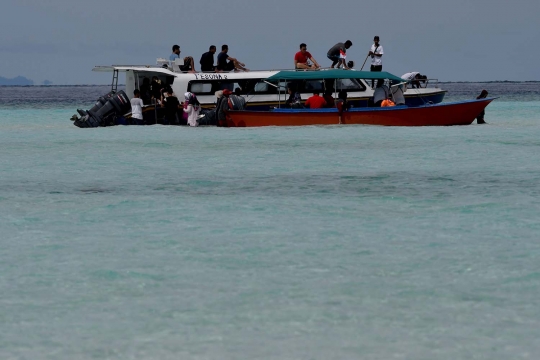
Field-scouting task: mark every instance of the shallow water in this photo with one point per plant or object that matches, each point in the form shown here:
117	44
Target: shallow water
339	242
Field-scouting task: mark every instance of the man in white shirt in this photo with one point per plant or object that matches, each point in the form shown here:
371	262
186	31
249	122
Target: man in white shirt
414	78
136	107
376	52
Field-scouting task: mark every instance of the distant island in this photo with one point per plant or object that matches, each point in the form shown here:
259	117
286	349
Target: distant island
19	80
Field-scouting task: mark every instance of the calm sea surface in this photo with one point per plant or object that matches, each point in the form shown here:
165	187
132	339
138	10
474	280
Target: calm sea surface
345	242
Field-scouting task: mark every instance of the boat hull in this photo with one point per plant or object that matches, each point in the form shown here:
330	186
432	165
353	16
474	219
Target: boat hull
449	114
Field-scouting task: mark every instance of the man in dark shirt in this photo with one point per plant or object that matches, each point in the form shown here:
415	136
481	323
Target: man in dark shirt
228	63
338	54
171	105
207	60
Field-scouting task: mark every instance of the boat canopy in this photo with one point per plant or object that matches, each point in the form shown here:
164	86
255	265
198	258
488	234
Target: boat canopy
333	74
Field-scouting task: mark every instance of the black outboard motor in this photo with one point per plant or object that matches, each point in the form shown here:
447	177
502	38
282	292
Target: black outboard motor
99	103
116	105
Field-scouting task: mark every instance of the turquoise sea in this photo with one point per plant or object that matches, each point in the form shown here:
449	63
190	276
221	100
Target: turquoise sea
342	242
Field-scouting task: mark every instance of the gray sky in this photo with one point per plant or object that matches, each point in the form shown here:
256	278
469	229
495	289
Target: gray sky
477	40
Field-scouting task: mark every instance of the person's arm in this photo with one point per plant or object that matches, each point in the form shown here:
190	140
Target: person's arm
314	62
295	63
344	63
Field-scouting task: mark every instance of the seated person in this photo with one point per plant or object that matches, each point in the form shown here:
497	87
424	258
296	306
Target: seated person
189	64
315	102
294	101
330	103
207	60
380	94
228	63
302	58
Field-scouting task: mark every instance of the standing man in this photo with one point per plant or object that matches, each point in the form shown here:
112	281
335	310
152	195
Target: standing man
301	59
480	118
228	63
136	107
376	52
338	54
207	60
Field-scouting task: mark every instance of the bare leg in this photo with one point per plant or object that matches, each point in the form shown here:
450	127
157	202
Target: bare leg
192	62
306	66
240	66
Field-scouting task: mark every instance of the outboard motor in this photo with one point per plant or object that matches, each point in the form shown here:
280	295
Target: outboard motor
116	105
99	103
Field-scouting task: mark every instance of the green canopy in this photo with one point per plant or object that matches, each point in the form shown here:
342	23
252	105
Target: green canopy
333	74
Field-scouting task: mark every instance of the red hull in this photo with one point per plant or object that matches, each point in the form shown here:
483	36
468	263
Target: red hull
460	113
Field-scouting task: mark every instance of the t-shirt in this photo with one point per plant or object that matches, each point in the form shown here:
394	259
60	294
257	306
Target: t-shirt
316	102
222	60
409	75
207	61
173	57
337	50
136	108
171	107
302	58
376	60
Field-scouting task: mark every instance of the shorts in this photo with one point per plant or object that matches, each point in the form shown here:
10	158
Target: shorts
334	58
376	68
228	67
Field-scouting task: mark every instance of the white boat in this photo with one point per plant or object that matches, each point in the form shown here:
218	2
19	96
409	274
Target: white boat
260	95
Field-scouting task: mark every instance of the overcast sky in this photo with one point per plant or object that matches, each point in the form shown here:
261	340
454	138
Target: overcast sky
454	40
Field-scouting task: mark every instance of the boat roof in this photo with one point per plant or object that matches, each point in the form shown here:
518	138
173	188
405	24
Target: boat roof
333	74
124	68
258	74
270	75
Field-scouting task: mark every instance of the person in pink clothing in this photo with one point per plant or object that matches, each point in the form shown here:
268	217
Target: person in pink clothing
192	107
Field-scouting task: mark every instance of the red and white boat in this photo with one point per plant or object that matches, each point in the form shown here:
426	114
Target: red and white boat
445	114
428	114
